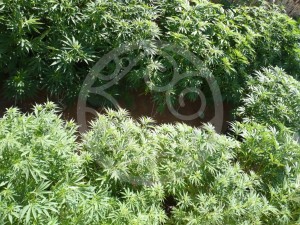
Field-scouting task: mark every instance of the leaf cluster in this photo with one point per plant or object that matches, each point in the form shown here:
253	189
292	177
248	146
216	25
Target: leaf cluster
45	45
135	172
272	97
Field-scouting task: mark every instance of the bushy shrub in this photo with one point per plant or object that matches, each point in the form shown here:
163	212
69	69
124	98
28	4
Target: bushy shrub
200	176
273	98
149	154
128	172
233	43
273	155
41	176
53	45
43	181
56	44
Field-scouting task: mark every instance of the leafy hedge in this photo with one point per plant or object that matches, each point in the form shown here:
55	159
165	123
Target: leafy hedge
52	46
128	172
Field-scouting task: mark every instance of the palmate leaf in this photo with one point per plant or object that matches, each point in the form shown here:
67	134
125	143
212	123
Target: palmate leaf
31	23
131	172
48	178
70	34
18	86
37	166
273	99
32	211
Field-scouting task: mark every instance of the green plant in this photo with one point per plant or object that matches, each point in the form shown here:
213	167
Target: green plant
56	45
43	179
124	171
20	86
199	177
273	98
273	155
41	176
233	43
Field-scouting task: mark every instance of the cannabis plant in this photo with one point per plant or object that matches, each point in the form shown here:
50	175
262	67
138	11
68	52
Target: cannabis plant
50	46
235	42
195	176
273	98
273	155
41	176
124	171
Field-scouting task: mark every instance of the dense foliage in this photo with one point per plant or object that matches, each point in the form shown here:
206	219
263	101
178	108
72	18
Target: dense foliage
129	172
123	171
41	179
52	46
273	98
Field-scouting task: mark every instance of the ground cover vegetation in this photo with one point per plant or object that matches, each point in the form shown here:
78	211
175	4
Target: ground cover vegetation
135	172
126	171
51	46
272	98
